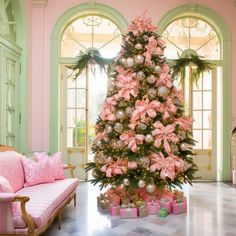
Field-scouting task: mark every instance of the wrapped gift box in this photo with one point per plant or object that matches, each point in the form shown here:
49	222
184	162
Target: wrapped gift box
114	210
167	204
128	213
104	204
142	211
114	199
153	208
179	207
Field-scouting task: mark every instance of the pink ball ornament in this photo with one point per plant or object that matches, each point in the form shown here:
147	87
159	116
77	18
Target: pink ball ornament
138	46
129	62
152	93
126	182
140	75
162	91
151	79
120	115
144	162
139	59
151	188
118	127
149	138
128	111
183	146
141	183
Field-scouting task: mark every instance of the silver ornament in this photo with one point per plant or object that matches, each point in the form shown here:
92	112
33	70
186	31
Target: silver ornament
118	127
113	143
109	160
128	111
144	162
140	75
151	188
123	61
141	183
120	144
139	59
99	144
138	46
126	182
152	93
149	138
157	69
129	62
120	115
151	79
162	92
108	129
142	127
183	146
122	104
145	38
182	135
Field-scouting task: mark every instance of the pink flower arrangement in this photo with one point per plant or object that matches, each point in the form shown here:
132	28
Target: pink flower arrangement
128	86
108	109
115	168
165	134
132	139
166	165
144	108
152	49
141	23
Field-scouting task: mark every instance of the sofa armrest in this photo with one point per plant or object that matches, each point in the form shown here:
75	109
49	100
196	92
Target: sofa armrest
71	168
7	197
25	215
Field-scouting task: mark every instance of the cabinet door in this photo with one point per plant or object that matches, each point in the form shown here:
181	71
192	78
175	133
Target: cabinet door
10	97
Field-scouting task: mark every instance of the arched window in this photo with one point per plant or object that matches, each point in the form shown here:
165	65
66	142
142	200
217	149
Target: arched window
191	35
82	97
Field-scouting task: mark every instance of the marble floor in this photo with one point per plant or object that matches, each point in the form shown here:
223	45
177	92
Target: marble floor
211	212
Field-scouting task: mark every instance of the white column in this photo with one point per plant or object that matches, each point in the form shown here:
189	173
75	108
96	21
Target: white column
37	89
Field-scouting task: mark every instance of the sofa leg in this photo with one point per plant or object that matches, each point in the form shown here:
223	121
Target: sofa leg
59	218
74	199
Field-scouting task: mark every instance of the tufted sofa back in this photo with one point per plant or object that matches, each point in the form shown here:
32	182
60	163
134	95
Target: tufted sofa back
12	169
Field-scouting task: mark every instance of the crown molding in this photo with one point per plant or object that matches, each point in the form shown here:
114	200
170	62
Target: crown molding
40	3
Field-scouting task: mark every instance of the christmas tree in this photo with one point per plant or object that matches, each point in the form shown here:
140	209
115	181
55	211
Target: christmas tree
143	137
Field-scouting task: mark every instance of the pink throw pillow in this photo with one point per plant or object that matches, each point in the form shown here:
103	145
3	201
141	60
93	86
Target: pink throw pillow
37	173
5	187
55	161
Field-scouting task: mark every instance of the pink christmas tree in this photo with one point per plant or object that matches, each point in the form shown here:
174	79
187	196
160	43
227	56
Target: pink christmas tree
143	137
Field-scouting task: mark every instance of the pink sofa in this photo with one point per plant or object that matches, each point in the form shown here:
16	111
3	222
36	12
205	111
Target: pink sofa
40	204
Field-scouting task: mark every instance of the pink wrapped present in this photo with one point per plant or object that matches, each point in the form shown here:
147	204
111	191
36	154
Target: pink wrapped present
179	207
114	210
167	204
153	207
128	213
114	199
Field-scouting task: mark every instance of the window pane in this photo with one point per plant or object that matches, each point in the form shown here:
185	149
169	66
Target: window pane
81	80
207	82
197	136
81	98
71	117
207	119
69	137
207	143
197	100
80	118
79	137
198	84
71	98
206	100
70	83
197	116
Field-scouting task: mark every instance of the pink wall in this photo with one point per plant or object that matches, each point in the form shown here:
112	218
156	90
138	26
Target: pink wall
41	39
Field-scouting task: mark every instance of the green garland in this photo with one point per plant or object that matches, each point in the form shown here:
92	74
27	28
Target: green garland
178	69
92	55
